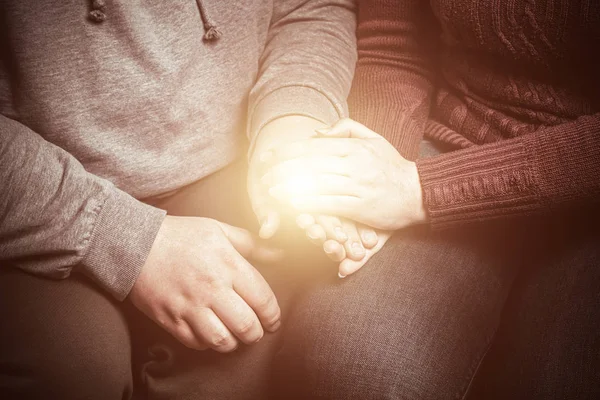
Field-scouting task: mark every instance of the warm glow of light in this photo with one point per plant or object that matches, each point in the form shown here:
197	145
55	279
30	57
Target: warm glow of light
300	185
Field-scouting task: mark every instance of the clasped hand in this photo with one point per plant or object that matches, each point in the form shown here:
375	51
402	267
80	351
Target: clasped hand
350	173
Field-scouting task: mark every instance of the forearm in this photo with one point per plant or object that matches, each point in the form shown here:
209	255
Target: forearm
307	65
56	217
393	81
555	167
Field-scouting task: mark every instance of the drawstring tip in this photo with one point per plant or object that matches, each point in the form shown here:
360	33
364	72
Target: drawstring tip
97	16
212	34
98	8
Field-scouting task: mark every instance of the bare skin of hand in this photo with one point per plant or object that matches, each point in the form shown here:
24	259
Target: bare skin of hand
343	242
356	174
198	285
279	131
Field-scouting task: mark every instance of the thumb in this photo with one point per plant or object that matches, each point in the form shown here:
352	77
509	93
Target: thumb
249	246
269	224
347	128
267	218
348	266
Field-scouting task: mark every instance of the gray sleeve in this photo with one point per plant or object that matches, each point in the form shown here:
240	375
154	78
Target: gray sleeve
307	64
56	218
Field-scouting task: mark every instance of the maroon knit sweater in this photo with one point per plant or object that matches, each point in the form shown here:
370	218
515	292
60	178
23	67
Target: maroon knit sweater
513	87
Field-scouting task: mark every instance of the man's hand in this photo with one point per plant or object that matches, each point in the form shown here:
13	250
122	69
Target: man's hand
197	284
354	173
282	130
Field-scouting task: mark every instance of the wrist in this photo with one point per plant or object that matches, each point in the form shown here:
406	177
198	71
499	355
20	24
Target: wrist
420	210
411	205
285	129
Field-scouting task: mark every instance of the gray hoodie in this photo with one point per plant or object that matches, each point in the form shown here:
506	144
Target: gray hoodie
108	101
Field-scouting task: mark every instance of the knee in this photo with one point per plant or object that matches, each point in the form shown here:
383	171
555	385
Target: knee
75	367
79	348
341	345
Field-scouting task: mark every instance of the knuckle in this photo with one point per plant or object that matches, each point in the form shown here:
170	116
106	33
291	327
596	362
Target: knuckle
214	286
265	302
369	176
273	319
185	337
246	326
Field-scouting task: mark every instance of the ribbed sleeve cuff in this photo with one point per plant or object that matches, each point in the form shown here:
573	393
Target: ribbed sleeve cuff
479	183
121	239
293	100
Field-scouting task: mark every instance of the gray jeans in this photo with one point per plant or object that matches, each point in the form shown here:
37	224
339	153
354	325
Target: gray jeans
508	310
504	310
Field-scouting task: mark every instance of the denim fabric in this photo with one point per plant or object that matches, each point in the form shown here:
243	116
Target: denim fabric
414	323
548	344
69	340
171	371
61	340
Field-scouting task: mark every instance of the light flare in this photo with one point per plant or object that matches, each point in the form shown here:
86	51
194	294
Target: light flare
299	186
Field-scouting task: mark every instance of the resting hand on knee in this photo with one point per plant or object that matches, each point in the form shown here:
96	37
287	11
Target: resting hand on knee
198	285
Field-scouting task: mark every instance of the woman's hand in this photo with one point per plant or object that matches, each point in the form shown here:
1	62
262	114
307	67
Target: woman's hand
344	241
351	172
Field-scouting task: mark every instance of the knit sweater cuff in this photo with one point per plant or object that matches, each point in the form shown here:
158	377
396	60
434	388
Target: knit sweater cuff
479	183
121	239
292	100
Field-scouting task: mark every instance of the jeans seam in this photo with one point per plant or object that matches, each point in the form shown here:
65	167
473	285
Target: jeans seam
473	371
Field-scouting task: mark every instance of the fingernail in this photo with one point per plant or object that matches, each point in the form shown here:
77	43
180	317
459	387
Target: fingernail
369	236
264	232
340	234
357	248
341	276
310	236
275	326
266	156
323	131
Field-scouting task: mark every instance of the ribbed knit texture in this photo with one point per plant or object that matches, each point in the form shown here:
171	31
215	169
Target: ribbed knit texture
509	85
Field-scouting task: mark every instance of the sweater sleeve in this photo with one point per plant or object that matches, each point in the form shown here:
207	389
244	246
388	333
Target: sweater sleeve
553	168
307	64
393	80
56	218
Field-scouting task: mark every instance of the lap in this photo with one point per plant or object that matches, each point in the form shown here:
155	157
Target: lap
72	323
61	339
548	344
415	322
169	370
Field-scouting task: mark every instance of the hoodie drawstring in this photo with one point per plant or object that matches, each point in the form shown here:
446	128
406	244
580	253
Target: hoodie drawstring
98	12
211	32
